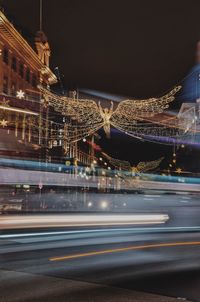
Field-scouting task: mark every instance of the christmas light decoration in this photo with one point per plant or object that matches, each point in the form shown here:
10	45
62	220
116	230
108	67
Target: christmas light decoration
5	103
106	115
3	123
143	167
82	118
130	116
178	170
117	163
20	94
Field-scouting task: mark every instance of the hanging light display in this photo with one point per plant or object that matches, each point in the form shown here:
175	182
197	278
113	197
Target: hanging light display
143	167
117	163
83	117
130	116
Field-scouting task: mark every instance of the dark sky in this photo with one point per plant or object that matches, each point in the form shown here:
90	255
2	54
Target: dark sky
131	47
139	48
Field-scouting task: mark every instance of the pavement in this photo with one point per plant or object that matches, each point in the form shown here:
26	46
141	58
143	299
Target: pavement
30	287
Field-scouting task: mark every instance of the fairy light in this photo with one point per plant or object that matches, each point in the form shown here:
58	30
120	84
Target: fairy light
130	116
178	170
117	163
147	166
126	166
82	118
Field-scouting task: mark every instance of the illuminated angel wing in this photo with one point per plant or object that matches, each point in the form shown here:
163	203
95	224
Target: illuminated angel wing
147	166
85	110
84	115
85	118
76	133
131	117
118	163
139	109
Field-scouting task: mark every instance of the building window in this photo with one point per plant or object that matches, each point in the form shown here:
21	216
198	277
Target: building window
14	63
5	55
13	89
5	84
28	75
34	81
21	70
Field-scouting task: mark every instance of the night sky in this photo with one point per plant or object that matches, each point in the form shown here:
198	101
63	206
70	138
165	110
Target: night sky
138	48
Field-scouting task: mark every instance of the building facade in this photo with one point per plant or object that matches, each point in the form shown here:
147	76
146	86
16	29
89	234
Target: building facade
29	126
23	116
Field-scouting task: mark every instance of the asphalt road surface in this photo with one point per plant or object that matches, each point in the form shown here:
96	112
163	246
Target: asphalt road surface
121	263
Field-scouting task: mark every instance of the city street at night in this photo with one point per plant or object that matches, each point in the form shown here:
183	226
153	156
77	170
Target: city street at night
99	151
105	263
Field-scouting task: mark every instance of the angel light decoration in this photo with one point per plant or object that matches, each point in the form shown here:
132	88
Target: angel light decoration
130	116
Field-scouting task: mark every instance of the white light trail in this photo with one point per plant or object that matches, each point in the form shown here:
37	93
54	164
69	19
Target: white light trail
18	110
80	220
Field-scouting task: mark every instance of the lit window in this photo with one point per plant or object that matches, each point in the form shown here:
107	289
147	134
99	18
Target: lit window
34	81
5	55
21	70
14	63
13	88
28	75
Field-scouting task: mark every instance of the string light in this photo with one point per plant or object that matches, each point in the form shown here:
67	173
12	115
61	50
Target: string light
81	118
117	163
126	166
143	167
130	115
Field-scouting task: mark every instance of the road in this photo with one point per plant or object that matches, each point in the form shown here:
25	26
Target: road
116	263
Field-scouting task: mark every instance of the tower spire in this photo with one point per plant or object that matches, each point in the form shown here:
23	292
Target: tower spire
41	15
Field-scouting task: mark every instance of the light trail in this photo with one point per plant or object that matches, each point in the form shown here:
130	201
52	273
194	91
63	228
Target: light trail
130	248
18	110
38	221
156	182
131	230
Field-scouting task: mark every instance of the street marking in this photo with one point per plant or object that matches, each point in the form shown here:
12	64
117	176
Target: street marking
130	248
